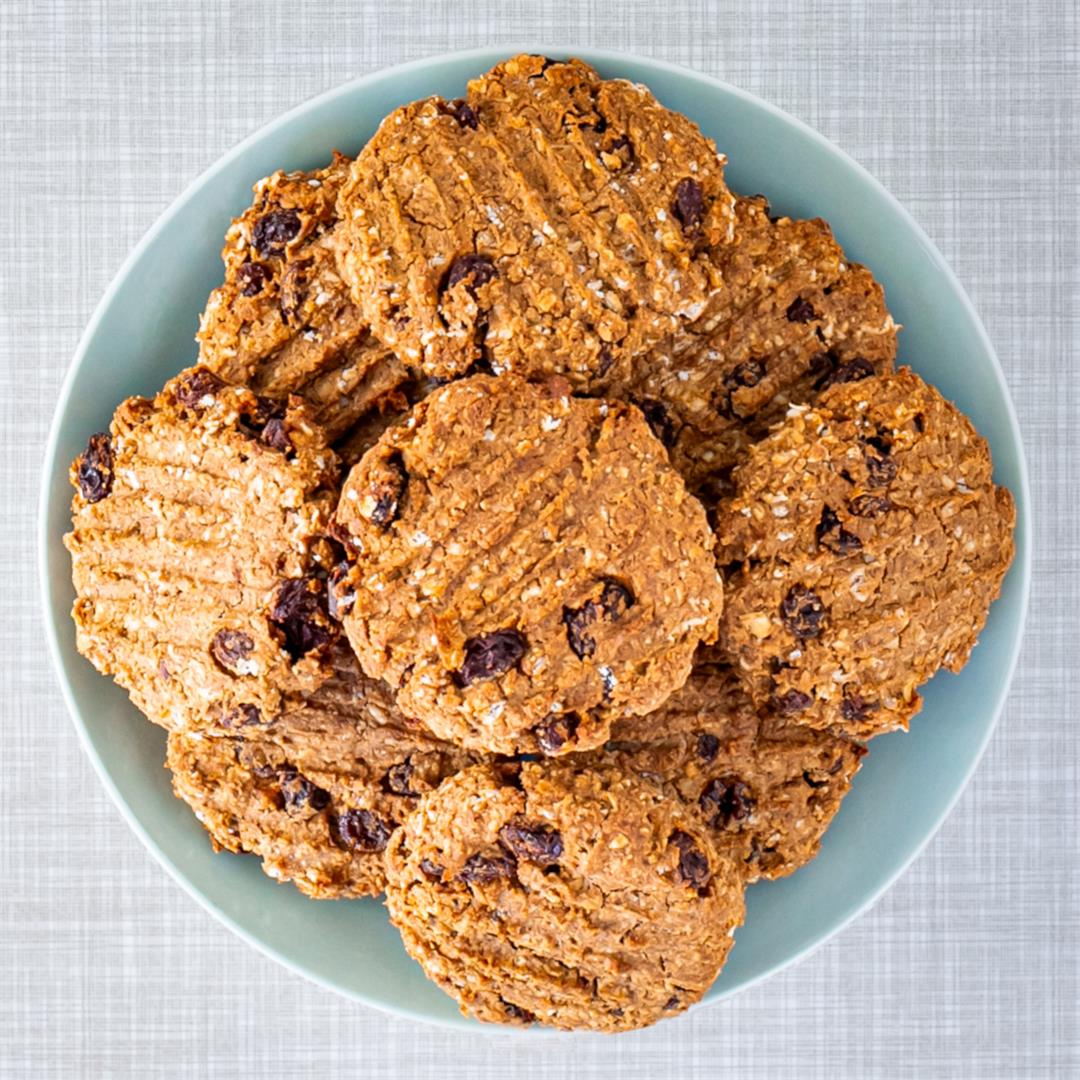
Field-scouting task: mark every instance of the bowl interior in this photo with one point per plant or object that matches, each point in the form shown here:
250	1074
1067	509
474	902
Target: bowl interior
142	333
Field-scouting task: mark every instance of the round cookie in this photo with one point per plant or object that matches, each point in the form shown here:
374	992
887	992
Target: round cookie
791	318
572	896
872	541
316	793
283	323
550	222
198	552
768	788
526	568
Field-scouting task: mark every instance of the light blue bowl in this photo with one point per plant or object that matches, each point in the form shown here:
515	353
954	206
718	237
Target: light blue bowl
142	333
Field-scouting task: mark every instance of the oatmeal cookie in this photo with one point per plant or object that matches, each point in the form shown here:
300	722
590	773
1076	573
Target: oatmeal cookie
768	788
562	894
283	323
550	222
198	555
872	541
791	317
526	566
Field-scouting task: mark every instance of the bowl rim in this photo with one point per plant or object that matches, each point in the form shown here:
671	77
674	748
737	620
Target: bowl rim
489	55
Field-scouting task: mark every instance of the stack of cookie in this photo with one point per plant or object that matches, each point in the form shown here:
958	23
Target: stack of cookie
539	540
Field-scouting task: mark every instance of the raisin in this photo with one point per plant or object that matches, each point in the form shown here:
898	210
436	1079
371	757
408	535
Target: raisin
396	780
94	472
381	503
743	376
244	715
604	360
832	535
360	830
431	870
615	598
708	745
621	150
462	112
490	655
516	1012
791	702
693	863
671	1003
920	423
726	800
612	603
802	611
556	731
196	390
275	436
880	471
854	708
869	506
854	370
657	417
300	613
800	310
252	278
481	869
473	270
340	597
274	230
534	841
297	790
689	205
231	648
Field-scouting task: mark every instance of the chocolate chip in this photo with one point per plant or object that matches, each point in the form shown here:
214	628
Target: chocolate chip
230	648
94	472
800	310
802	611
474	270
658	418
869	506
854	708
516	1012
556	731
854	370
693	863
533	841
196	390
381	502
462	112
252	278
360	830
481	869
490	655
396	780
832	535
726	800
300	613
274	230
708	745
791	702
689	205
340	596
245	715
431	870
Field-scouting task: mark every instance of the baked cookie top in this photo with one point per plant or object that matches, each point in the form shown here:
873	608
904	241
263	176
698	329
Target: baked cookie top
198	551
872	541
526	566
316	792
550	222
282	322
562	894
791	317
767	788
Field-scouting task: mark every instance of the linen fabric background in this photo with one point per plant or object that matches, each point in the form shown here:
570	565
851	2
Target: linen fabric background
968	113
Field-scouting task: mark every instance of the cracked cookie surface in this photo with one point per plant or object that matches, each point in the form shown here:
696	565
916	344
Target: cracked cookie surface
550	222
872	541
564	895
198	551
767	788
283	322
526	566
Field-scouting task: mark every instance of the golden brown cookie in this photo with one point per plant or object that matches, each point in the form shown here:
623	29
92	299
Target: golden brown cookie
562	894
282	322
527	567
550	222
791	317
767	788
198	551
872	541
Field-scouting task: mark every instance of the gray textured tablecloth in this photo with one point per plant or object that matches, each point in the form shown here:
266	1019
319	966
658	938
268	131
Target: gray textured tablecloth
968	967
